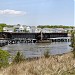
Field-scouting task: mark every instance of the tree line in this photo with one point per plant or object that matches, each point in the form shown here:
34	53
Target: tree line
4	25
54	26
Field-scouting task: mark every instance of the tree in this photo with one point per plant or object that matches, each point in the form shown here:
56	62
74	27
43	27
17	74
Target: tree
26	31
73	42
72	39
4	56
1	26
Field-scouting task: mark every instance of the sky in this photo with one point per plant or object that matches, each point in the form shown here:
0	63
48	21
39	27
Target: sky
37	12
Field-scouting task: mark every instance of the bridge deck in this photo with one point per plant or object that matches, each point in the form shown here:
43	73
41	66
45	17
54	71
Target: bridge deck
31	35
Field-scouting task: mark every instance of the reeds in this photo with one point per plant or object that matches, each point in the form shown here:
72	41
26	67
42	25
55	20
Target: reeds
54	65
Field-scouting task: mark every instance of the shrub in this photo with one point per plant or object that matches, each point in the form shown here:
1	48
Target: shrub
18	58
46	54
74	50
4	56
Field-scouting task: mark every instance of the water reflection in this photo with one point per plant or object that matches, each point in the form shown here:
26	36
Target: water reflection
38	49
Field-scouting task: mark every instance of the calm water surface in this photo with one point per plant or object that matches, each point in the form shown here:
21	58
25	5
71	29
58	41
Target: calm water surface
38	49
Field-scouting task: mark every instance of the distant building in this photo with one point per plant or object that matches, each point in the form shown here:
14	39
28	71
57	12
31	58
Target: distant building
59	30
8	29
46	30
16	28
34	29
28	28
19	28
38	30
52	30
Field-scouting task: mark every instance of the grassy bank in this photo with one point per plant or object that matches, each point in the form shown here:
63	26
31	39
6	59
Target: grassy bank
54	65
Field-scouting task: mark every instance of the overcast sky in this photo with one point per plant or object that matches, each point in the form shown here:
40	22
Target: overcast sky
37	12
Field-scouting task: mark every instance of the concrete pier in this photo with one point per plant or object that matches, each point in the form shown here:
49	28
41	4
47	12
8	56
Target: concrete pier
60	39
3	42
21	40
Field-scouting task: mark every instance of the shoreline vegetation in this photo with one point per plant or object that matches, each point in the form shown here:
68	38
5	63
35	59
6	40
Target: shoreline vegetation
63	64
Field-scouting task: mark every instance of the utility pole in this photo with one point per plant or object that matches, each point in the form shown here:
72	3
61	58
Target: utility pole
41	35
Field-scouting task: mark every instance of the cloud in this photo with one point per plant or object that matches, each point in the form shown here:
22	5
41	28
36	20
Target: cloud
12	12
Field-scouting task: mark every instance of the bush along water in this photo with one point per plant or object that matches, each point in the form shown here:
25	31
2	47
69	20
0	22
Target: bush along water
46	54
4	56
73	42
18	58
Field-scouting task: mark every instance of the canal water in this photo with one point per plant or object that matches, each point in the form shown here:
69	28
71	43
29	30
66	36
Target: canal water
38	49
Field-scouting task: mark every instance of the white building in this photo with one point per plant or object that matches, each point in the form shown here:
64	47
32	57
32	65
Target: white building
28	28
52	30
32	29
59	30
23	28
19	28
46	30
16	28
8	29
38	30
